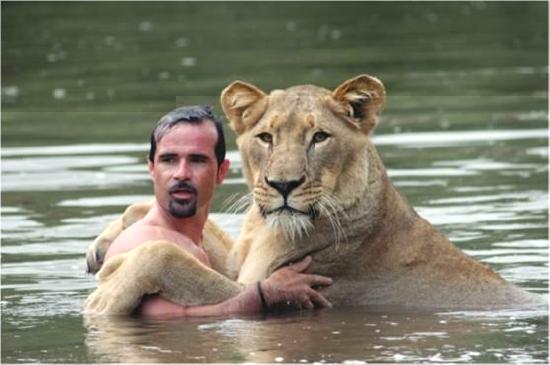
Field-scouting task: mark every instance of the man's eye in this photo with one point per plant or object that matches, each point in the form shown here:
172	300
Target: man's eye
167	159
199	159
265	137
320	137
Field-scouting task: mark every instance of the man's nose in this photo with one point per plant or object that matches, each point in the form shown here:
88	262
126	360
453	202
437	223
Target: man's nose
182	171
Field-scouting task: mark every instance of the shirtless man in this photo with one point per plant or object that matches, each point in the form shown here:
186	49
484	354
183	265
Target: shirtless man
186	162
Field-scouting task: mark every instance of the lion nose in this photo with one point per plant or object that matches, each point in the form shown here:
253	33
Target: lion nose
285	187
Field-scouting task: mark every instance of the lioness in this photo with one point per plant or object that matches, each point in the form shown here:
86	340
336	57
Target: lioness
319	188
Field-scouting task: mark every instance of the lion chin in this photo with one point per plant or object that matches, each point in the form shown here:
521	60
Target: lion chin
292	223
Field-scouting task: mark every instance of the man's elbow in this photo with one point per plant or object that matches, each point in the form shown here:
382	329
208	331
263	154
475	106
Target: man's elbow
155	306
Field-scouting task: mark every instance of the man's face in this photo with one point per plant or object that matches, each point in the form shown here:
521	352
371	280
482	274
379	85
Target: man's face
185	170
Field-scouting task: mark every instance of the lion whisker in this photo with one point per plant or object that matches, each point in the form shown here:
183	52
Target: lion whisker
329	207
293	226
236	205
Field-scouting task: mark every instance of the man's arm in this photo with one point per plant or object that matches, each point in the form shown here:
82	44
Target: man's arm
162	267
182	281
157	267
287	287
246	301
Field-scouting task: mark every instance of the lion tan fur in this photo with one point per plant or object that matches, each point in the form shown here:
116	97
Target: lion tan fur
157	267
321	189
379	251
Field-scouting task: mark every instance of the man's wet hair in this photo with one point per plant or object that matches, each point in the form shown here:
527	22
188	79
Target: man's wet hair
195	114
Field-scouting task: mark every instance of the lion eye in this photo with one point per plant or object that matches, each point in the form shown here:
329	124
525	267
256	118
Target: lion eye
320	137
265	137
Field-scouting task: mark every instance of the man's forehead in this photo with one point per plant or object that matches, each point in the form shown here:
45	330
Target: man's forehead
198	136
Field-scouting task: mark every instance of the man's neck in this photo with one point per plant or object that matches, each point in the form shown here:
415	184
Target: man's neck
191	227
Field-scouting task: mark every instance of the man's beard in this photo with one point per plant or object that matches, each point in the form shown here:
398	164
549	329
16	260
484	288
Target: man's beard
183	208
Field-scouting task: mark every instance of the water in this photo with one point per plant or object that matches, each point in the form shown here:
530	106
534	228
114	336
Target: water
464	136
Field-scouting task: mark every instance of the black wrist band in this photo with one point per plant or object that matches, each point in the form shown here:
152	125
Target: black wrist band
262	298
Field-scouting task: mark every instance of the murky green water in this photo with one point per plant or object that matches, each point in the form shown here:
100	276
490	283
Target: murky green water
464	136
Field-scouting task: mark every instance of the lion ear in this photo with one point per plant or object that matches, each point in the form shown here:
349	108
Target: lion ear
362	98
243	104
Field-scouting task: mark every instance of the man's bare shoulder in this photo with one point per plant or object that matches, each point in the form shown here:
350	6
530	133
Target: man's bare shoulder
139	233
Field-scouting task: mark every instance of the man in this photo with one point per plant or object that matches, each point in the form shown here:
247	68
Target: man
186	162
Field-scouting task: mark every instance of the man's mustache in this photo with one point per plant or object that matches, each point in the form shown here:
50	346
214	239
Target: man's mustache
183	186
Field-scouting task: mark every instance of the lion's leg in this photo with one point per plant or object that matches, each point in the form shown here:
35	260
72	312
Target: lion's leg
238	254
114	295
157	267
251	232
187	281
98	248
265	255
217	244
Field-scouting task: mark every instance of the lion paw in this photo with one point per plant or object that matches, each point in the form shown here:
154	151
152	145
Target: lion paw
98	248
119	290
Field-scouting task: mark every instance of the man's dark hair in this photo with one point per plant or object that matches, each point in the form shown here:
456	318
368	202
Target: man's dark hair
195	114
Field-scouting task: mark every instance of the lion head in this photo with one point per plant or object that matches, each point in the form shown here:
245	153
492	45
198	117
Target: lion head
304	149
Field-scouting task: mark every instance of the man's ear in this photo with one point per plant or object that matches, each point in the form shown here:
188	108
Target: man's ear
243	104
362	99
222	171
150	167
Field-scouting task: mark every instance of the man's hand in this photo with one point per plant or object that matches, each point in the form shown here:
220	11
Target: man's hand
290	287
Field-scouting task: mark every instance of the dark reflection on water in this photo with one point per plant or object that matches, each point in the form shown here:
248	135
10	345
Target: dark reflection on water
464	136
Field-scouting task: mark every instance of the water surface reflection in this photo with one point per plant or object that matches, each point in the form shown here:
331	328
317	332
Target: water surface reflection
339	335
